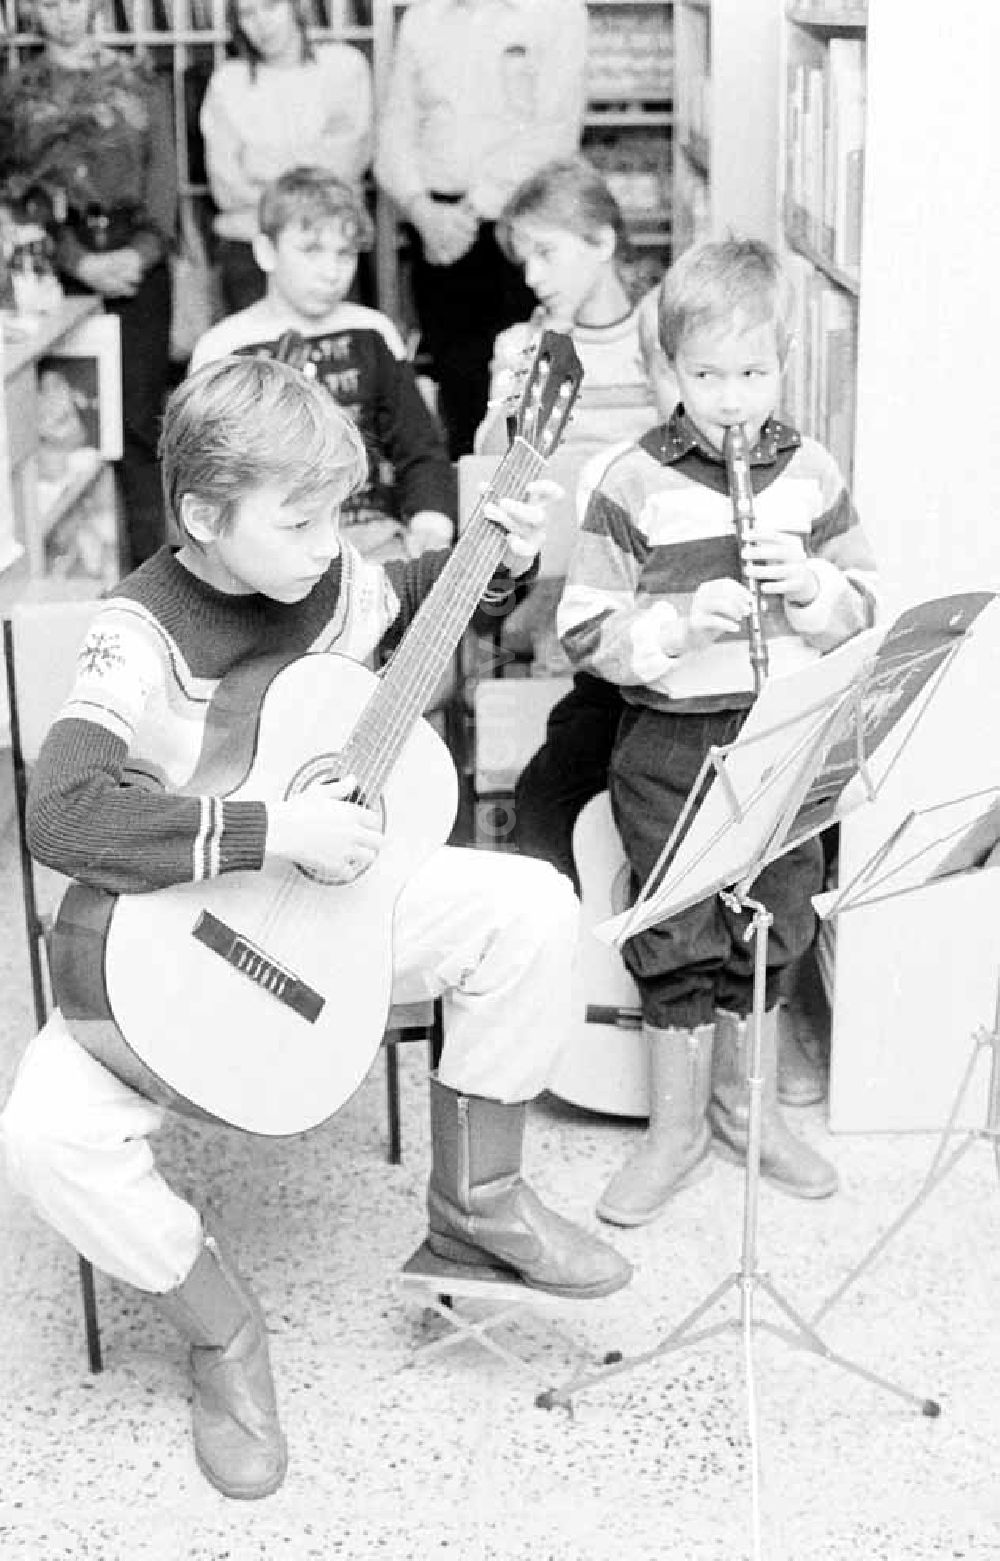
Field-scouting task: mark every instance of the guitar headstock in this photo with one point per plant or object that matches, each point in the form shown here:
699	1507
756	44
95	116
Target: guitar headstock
550	390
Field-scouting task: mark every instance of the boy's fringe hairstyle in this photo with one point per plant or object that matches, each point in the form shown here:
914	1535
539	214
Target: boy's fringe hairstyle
568	194
312	197
245	50
239	423
719	281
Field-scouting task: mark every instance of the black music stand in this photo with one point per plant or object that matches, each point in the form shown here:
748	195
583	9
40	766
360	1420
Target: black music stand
814	746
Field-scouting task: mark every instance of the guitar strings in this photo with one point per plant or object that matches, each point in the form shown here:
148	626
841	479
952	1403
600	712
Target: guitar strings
524	459
407	694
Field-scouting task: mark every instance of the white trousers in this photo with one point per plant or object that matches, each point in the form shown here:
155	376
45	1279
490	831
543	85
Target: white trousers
492	934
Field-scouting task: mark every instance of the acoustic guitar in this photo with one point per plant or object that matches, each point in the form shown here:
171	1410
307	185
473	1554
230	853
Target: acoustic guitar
259	999
603	1066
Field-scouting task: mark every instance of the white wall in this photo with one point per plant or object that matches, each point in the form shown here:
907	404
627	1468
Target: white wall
916	975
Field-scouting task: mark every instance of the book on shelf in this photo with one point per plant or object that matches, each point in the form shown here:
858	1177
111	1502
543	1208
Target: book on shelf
824	145
844	178
818	395
837	374
804	135
833	10
693	87
629	60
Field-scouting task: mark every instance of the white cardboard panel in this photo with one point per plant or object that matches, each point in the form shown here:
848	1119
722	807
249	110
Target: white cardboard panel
916	978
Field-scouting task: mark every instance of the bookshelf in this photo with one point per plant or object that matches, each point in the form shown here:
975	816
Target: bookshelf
58	512
726	119
822	168
912	977
628	127
58	516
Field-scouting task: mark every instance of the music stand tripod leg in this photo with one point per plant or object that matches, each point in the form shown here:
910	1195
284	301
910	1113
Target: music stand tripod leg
939	1168
748	1278
806	1338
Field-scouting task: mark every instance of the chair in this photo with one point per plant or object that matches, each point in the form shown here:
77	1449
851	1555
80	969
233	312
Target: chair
40	644
407	1022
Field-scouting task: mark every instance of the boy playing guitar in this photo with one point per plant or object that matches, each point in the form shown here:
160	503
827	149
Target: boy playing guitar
256	461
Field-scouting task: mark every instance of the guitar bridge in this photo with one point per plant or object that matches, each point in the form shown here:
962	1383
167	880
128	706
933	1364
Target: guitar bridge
266	973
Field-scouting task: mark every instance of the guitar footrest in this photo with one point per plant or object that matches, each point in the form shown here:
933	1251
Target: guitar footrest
493	1297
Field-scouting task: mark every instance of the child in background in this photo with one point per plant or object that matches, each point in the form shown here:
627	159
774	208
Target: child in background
564	226
656	601
280	103
312	228
257	460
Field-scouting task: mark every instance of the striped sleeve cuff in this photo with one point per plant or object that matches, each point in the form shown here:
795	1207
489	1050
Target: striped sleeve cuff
231	838
650	661
816	617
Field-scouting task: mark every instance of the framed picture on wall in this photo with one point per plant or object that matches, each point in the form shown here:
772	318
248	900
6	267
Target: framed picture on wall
80	388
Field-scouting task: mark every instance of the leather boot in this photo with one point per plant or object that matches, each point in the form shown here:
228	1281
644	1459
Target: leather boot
482	1213
238	1441
784	1159
673	1152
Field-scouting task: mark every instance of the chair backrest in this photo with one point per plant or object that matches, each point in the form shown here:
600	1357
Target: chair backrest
565	468
40	641
45	638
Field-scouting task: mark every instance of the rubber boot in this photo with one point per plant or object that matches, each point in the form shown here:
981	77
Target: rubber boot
673	1152
482	1213
784	1159
801	1074
238	1441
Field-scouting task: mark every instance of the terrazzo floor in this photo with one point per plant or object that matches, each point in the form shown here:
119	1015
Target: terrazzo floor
404	1452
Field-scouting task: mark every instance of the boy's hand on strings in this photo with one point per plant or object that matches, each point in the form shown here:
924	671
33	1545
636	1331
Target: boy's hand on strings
525	521
777	560
718	607
319	829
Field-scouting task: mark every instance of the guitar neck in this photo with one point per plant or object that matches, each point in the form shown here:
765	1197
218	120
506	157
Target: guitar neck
416	668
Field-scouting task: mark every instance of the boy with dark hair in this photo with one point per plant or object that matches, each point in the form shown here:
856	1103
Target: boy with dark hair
656	602
312	229
257	460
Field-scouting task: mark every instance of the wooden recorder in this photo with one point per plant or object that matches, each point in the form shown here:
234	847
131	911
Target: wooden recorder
736	449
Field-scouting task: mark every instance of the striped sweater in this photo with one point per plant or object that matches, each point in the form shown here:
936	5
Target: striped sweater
658	522
107	801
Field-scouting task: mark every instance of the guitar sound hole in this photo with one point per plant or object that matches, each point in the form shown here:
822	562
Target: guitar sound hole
323	770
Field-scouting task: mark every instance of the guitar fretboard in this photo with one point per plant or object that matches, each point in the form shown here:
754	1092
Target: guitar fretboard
415	670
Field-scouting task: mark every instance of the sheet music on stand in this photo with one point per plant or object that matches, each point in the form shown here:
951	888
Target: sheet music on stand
815	746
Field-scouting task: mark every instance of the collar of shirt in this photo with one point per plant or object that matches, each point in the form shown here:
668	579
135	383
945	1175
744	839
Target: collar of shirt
681	438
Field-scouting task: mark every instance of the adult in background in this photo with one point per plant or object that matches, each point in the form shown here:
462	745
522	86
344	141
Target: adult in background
481	94
89	131
281	103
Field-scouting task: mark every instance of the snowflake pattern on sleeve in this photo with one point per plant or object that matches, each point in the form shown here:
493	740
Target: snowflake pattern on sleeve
117	667
101	654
